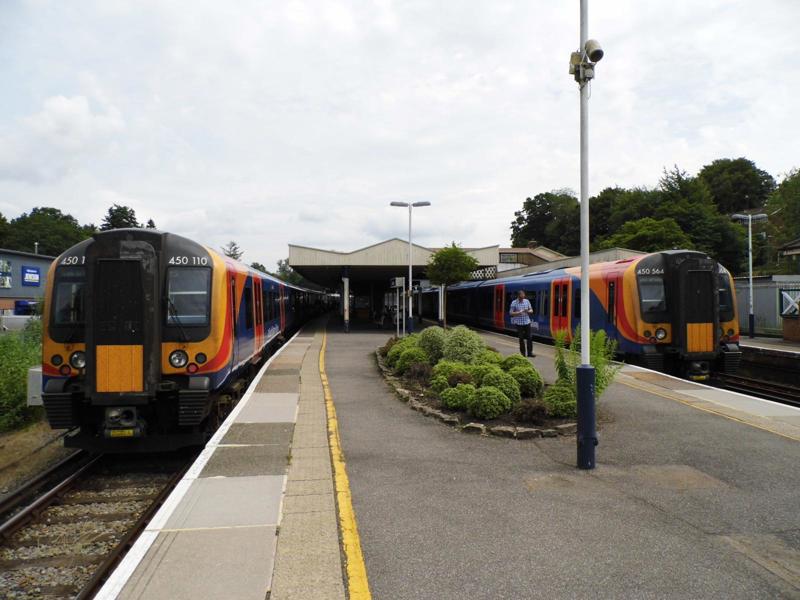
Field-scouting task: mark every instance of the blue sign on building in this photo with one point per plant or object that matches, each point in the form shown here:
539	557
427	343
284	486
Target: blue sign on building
31	276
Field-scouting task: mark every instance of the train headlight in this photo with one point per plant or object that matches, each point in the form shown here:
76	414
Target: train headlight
661	333
78	360
178	359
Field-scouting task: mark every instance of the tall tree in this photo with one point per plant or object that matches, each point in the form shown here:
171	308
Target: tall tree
551	219
232	250
258	267
54	230
737	184
151	224
784	208
119	217
3	230
450	265
289	275
649	235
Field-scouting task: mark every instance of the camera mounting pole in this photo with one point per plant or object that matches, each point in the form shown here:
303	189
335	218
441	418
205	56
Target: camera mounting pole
582	64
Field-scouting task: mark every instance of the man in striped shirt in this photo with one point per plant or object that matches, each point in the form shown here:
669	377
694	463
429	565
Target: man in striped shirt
521	310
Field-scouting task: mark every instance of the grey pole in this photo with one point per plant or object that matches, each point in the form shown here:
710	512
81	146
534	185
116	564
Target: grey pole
585	375
751	319
410	319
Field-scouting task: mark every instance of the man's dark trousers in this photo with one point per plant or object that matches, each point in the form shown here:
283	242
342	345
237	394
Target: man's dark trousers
525	342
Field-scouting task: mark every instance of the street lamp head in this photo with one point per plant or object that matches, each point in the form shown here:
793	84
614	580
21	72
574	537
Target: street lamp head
760	217
424	203
403	204
593	50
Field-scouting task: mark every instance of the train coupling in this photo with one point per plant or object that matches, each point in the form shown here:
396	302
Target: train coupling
123	422
698	370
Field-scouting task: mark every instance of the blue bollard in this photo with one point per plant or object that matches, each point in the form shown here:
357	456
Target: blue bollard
587	431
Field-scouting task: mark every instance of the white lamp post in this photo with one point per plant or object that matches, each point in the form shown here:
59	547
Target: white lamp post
751	319
582	64
410	206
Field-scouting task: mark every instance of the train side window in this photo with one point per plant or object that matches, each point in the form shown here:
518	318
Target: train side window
546	302
612	302
531	296
725	298
564	299
233	302
248	307
265	305
576	303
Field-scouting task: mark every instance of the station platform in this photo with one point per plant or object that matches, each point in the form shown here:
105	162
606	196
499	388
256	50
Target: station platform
694	495
770	343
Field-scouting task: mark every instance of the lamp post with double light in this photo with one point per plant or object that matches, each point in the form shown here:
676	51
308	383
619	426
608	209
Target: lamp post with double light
410	206
751	319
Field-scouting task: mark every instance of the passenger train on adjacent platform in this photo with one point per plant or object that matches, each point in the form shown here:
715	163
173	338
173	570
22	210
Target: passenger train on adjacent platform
147	336
672	311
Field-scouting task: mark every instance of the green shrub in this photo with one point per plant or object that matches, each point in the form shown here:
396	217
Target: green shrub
448	367
505	383
601	353
432	341
529	380
459	397
439	384
515	360
18	352
480	370
462	345
489	403
560	401
489	357
420	372
459	377
410	341
530	410
409	357
384	350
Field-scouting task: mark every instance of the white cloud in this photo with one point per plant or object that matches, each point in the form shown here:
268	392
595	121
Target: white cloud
278	122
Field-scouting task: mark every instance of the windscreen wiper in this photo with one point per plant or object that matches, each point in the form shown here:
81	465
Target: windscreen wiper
174	314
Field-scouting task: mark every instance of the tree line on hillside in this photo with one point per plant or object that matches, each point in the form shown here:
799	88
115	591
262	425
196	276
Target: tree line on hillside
55	231
682	211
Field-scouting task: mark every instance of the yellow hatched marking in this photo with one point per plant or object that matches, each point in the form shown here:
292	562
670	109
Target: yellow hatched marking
357	583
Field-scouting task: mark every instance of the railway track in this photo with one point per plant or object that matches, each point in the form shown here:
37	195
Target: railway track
777	392
64	543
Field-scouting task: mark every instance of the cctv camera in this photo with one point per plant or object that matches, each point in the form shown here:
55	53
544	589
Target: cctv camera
593	50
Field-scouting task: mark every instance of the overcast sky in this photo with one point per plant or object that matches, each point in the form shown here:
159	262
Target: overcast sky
273	122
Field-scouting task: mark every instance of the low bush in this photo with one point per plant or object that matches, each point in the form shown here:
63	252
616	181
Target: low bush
480	371
459	377
505	383
459	397
489	357
409	357
439	384
560	401
529	380
462	345
420	372
515	360
432	341
488	403
384	350
448	367
393	355
18	352
530	410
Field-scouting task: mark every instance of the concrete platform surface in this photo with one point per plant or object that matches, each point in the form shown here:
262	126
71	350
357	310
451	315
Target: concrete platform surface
686	502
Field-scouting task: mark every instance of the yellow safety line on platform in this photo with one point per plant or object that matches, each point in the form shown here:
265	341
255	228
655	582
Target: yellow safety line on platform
357	583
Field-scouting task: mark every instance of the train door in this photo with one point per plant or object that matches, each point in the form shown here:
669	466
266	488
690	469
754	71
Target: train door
259	334
560	305
234	337
612	286
499	306
699	292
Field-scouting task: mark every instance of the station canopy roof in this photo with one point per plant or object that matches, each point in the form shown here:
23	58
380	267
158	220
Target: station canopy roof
372	265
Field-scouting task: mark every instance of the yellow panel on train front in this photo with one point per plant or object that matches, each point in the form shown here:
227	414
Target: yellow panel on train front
119	369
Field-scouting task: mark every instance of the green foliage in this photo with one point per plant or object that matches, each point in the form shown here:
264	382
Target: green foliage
505	383
439	383
463	345
786	199
450	265
515	360
560	400
432	341
648	235
529	380
258	266
480	370
384	350
120	217
550	219
18	352
445	368
458	377
410	341
54	230
489	357
736	184
232	250
489	403
601	354
459	397
289	275
420	372
410	356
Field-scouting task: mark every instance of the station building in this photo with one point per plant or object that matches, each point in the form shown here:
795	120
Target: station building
23	276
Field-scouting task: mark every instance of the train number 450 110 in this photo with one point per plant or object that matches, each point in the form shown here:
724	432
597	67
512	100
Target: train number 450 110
201	261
